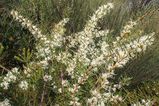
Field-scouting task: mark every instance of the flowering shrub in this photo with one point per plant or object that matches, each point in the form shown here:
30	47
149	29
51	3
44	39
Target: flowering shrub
74	69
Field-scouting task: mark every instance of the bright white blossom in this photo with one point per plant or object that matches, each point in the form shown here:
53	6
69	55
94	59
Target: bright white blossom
75	102
4	85
27	71
58	32
127	29
143	102
6	102
10	77
60	90
65	83
26	23
23	85
87	50
47	78
46	46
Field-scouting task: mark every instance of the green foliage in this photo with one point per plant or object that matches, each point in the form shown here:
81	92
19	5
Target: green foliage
25	57
1	49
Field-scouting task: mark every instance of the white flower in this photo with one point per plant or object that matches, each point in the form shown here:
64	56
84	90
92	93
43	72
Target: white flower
5	103
102	11
110	5
71	90
27	71
47	78
92	101
9	78
75	102
127	29
101	103
96	94
15	70
64	82
23	85
143	102
4	85
60	90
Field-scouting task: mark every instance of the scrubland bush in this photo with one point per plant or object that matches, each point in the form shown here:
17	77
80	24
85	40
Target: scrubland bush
77	66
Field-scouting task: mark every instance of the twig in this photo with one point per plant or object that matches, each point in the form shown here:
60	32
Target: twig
43	94
146	14
4	68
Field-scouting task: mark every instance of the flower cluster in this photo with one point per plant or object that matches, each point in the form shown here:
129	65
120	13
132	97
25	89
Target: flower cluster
143	102
9	78
43	49
102	11
127	29
5	103
47	78
75	102
100	100
121	55
27	24
85	39
46	46
23	85
58	32
27	71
